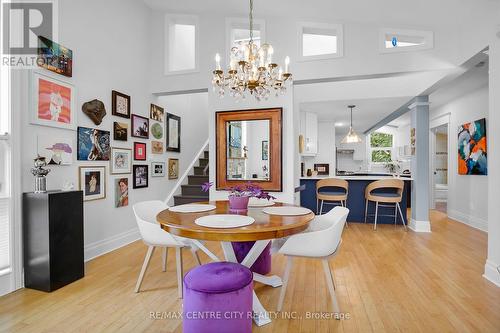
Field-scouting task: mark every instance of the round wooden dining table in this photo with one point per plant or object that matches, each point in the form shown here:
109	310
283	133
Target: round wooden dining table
265	228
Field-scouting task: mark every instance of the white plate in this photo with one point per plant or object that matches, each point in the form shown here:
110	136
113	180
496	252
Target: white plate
224	221
254	202
286	210
192	208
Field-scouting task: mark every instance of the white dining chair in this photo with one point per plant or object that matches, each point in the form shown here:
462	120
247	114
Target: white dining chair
322	241
154	236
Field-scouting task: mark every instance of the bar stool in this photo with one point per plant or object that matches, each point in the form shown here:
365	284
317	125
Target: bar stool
335	196
387	198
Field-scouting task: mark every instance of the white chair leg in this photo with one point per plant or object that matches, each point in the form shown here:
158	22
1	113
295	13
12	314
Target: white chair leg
286	277
144	267
331	285
400	212
321	209
196	257
376	216
366	209
178	259
164	259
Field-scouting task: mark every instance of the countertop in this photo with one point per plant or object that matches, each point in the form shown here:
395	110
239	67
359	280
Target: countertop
354	177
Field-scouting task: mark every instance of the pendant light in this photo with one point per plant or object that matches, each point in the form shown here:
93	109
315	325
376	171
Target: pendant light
351	137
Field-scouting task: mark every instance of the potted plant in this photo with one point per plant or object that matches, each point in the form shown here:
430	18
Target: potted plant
240	194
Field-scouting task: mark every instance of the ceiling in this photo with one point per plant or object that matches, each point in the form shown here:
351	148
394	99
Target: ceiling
366	113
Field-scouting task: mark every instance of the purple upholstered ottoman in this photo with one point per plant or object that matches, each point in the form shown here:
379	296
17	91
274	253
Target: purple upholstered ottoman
218	298
263	263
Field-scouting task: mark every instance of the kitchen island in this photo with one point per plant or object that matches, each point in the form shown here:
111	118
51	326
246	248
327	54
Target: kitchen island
356	197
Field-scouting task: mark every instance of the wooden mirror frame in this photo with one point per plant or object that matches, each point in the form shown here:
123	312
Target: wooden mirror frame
274	115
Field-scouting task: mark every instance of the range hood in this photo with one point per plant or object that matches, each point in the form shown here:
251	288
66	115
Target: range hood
345	151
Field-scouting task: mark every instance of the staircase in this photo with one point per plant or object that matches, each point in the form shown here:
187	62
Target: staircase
192	191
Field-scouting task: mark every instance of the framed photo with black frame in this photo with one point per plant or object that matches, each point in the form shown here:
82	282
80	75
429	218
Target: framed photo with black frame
173	133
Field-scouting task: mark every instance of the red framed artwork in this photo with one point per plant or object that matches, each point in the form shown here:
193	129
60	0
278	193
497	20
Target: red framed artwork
139	151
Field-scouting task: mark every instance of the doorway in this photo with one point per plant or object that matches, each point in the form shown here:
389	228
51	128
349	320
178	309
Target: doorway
440	168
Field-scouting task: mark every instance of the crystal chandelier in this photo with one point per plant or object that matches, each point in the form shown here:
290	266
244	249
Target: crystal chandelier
251	69
351	137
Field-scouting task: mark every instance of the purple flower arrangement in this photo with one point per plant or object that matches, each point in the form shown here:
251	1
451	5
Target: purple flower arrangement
238	198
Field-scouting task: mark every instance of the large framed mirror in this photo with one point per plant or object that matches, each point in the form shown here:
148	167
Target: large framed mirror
249	148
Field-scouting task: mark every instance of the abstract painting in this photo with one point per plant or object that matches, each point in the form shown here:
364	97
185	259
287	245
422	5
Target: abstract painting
472	151
56	58
58	151
140	176
140	127
173	133
121	192
53	102
121	160
93	144
93	182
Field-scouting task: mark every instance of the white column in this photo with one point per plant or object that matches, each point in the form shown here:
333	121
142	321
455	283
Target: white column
420	166
493	129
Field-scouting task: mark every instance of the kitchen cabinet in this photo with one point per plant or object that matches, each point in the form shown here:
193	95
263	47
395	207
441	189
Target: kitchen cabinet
359	150
309	130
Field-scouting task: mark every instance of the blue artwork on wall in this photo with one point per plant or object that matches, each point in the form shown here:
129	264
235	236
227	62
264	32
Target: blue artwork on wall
93	144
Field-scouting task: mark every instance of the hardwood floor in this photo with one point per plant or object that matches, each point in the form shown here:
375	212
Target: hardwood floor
387	280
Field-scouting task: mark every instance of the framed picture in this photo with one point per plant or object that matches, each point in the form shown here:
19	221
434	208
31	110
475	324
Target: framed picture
92	182
322	169
57	151
121	192
121	160
140	127
56	58
156	147
139	151
120	104
140	175
173	168
157	131
265	150
173	133
53	102
93	144
120	131
157	169
156	112
472	148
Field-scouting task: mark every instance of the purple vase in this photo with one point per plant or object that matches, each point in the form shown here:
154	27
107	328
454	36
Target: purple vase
238	203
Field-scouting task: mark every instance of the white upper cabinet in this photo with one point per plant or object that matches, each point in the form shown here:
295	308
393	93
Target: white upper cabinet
309	130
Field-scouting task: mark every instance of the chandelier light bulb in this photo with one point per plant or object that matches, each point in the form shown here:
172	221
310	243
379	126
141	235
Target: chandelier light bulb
217	61
287	63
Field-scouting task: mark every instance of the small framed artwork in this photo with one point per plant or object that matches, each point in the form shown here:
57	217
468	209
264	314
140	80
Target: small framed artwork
56	150
121	160
139	151
121	192
140	175
120	104
140	127
92	181
173	133
158	169
157	131
322	169
156	112
265	150
156	147
93	144
120	131
53	102
56	58
173	168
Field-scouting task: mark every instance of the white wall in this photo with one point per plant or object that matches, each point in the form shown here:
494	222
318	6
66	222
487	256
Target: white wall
467	195
326	147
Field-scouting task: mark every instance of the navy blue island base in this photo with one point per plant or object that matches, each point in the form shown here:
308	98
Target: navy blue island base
356	201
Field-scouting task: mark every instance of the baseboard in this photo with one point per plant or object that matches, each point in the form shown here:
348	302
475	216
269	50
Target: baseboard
491	272
109	244
472	221
420	226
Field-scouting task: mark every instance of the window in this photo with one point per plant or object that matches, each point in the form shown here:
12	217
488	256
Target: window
320	41
238	34
181	45
381	145
394	40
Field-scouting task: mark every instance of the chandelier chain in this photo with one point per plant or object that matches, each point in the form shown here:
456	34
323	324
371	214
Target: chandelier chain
251	21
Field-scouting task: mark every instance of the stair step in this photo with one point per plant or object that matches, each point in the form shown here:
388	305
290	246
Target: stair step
193	190
205	154
186	199
197	179
198	170
203	161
